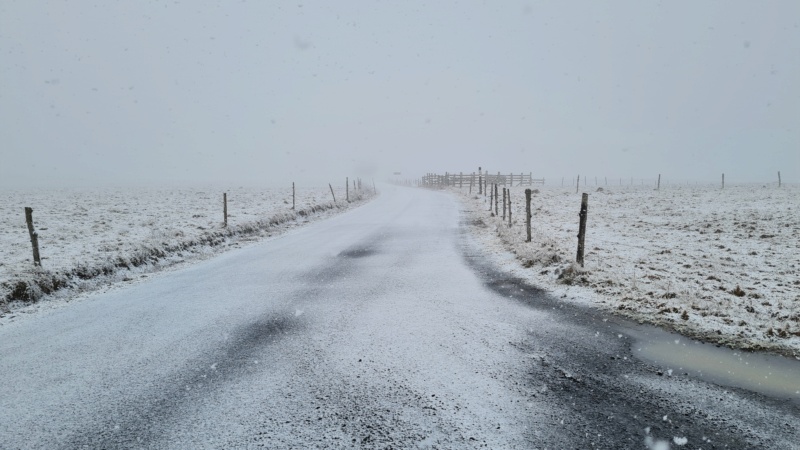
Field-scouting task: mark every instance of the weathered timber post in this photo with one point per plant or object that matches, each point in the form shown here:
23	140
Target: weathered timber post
658	185
34	236
779	178
471	180
491	194
347	189
504	203
293	195
528	213
582	228
480	182
723	181
578	184
509	208
595	181
332	194
225	207
496	209
562	181
460	180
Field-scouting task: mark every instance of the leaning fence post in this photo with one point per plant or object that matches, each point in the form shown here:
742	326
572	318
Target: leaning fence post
293	195
34	236
578	184
332	194
528	213
582	228
225	207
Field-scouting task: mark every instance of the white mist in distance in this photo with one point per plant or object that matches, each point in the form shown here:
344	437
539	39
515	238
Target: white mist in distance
271	92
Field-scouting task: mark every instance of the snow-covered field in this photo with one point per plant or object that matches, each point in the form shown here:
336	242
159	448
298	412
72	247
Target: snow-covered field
89	237
719	265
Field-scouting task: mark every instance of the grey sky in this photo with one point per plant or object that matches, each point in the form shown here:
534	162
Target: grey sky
256	91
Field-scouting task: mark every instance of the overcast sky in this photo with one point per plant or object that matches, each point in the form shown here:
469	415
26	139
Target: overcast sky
252	91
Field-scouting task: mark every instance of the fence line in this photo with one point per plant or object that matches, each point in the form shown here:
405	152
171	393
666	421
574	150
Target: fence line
483	178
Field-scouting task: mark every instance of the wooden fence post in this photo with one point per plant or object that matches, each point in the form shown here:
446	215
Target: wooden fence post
293	195
332	194
504	204
480	182
723	181
578	184
225	207
34	236
658	186
496	211
471	180
460	180
347	189
528	213
491	194
779	178
582	228
509	208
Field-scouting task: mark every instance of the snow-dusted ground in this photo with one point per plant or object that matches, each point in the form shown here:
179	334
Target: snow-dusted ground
385	327
673	257
89	237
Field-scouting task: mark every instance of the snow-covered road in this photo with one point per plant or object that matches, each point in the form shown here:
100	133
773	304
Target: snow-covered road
381	328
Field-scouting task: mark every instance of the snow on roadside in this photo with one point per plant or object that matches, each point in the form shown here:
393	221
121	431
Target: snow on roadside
717	265
93	237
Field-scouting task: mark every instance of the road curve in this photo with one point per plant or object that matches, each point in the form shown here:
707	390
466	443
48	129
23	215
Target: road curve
379	328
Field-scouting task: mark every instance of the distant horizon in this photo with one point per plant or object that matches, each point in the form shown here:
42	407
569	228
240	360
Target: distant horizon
198	92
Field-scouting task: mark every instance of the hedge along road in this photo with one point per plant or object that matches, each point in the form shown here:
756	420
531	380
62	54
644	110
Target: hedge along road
382	327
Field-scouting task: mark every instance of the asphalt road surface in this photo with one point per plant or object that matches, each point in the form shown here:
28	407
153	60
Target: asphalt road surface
380	328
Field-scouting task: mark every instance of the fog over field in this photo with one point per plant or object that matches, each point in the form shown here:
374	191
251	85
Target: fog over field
106	93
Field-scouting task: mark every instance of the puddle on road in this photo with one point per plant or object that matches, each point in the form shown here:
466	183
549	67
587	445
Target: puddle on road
775	376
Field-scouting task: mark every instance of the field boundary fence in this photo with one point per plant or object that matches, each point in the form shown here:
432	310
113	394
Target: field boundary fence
462	179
